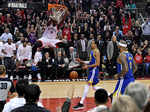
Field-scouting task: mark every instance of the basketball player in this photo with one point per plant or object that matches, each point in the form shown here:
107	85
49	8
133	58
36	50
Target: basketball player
6	86
126	67
93	67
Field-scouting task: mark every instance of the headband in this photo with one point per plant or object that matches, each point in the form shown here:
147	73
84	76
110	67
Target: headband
122	45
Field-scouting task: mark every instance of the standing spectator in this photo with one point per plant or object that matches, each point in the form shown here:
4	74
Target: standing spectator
32	94
82	48
89	44
118	33
6	86
139	61
112	54
147	62
4	37
24	52
9	50
32	35
126	21
67	32
146	29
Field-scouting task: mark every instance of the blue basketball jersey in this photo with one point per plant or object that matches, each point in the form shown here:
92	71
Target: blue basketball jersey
93	71
129	59
92	60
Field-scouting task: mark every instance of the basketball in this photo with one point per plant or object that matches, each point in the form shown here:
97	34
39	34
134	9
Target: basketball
73	75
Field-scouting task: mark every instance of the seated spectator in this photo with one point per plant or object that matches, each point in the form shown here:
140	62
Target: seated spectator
37	56
124	104
147	62
60	65
139	93
73	56
4	37
32	94
46	66
101	100
18	101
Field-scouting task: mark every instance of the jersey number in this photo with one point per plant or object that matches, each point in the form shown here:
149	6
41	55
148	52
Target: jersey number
130	65
3	85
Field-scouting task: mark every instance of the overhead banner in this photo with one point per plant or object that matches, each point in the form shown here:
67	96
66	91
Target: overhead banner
17	5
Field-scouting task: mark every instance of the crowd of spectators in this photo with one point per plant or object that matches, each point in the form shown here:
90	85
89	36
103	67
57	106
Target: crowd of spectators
106	21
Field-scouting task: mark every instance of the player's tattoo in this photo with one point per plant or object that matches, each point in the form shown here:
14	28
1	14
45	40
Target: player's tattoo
123	62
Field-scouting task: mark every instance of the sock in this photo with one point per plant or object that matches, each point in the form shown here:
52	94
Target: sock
96	88
86	89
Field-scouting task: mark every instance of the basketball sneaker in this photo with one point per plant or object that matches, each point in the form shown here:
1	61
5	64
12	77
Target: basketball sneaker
78	106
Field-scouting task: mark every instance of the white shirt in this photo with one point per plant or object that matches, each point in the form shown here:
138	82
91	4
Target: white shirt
9	49
1	47
15	103
83	45
99	108
4	37
24	53
37	57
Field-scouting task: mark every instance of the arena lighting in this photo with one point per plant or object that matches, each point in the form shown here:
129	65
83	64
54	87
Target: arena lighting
17	5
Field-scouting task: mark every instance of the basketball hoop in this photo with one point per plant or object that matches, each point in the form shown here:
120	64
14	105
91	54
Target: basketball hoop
57	12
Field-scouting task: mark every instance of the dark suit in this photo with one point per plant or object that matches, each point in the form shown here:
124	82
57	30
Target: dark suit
59	70
46	67
82	54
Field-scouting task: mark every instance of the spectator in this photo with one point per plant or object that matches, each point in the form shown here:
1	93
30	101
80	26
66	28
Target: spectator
24	52
60	65
38	56
89	44
101	99
18	101
124	104
146	29
67	32
139	61
82	48
118	33
147	62
46	66
6	35
139	93
73	56
9	50
112	54
6	86
32	94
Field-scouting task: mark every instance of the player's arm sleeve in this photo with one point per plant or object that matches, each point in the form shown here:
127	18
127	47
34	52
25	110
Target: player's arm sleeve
12	89
124	63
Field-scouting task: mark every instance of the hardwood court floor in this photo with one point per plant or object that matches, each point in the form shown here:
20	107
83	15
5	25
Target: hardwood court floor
54	93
